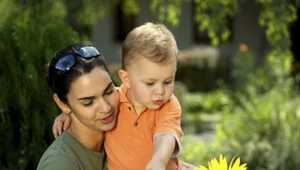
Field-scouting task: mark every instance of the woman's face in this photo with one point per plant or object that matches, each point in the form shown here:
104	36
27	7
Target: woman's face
94	101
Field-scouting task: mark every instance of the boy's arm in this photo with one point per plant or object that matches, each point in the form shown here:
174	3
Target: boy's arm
167	134
61	123
163	149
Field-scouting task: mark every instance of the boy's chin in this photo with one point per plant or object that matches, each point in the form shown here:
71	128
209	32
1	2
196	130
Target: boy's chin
154	107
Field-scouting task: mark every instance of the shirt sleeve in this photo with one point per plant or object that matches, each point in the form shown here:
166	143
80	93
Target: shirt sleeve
168	121
58	162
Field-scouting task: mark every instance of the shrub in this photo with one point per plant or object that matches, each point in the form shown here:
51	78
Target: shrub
30	34
262	126
211	103
199	68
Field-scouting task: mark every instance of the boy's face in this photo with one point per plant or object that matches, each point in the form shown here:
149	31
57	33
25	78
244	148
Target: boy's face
150	84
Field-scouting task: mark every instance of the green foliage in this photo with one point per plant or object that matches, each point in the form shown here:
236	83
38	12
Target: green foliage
243	62
168	11
261	126
260	121
202	110
130	7
276	17
202	69
192	150
180	91
212	17
82	13
113	70
30	34
275	70
212	103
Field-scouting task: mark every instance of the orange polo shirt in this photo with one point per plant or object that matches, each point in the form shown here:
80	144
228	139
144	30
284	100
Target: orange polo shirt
130	145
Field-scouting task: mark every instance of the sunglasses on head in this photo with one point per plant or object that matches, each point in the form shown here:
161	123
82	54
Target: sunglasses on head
65	63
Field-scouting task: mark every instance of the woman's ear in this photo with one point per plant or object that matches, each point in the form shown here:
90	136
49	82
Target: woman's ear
123	75
64	107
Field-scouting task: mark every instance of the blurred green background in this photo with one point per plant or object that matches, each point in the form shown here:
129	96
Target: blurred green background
238	102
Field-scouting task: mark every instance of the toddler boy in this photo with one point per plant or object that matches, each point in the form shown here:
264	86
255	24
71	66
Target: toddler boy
148	126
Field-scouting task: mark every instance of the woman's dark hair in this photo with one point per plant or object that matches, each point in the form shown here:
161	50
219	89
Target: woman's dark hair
60	83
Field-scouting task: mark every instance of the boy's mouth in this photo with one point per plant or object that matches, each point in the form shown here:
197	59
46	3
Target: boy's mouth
158	102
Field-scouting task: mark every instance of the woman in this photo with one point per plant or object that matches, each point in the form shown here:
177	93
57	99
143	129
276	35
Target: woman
82	88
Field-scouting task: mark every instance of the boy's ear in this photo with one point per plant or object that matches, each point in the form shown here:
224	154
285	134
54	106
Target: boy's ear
64	107
123	75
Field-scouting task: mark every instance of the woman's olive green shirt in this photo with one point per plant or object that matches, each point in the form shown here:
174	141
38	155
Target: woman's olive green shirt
67	153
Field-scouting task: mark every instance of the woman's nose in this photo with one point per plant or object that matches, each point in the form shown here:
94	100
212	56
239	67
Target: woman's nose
104	106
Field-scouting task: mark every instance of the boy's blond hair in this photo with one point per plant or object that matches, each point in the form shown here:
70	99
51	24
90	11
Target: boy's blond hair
153	41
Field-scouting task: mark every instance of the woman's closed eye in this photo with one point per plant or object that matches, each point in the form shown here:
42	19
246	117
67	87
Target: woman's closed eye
109	92
109	89
88	103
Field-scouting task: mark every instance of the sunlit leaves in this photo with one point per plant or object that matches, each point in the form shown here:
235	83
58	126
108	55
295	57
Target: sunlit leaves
213	17
167	10
276	17
9	8
130	7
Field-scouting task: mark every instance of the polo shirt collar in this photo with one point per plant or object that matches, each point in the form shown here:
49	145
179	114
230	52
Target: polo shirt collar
122	94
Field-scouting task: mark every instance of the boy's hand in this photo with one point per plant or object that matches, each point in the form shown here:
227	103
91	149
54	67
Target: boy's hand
155	165
187	166
61	122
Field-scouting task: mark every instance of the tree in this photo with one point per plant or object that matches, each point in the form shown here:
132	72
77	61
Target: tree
276	16
30	33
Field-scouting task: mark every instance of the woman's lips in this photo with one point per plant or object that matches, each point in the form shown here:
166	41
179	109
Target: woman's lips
108	119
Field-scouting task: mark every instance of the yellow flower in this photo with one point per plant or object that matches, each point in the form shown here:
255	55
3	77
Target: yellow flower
222	164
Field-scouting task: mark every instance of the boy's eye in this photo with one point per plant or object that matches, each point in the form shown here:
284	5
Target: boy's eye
149	84
168	82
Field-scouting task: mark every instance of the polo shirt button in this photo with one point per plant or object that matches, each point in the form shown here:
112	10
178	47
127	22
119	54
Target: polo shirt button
136	123
129	108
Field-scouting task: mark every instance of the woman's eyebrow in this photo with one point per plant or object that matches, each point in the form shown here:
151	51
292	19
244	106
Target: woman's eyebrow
108	87
92	97
86	98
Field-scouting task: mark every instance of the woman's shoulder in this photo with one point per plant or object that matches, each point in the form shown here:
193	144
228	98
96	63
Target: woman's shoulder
67	153
57	161
61	154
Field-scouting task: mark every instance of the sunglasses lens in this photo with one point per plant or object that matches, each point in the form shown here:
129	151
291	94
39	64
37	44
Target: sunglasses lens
65	63
88	52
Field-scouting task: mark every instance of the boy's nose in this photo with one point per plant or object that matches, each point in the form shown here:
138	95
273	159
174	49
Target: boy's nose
160	90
